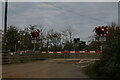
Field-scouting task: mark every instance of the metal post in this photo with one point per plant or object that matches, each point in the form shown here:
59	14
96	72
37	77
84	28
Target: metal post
34	44
101	48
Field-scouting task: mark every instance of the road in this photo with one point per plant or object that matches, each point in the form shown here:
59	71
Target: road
43	69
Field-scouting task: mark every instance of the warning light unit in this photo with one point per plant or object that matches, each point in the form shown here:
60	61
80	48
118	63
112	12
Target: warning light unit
101	31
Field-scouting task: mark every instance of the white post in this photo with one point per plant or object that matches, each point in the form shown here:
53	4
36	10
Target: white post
33	41
101	48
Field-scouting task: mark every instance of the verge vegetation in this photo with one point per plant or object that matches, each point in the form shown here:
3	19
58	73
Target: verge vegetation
109	65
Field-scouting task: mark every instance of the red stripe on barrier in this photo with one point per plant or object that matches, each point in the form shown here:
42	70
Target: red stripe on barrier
98	51
77	51
54	51
23	51
87	51
62	52
65	51
47	51
40	51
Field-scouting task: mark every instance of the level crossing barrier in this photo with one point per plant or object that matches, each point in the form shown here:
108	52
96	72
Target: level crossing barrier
25	56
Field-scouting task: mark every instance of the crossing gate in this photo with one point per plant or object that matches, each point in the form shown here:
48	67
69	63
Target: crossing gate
25	56
62	54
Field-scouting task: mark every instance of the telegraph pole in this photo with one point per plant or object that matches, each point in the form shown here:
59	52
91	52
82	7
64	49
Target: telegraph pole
5	21
5	17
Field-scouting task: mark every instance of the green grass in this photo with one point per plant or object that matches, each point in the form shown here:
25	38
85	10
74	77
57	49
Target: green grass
92	71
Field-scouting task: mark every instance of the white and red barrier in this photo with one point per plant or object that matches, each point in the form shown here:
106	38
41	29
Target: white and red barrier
70	51
59	52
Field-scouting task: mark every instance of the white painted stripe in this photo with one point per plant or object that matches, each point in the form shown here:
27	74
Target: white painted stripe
50	52
72	51
59	52
43	52
92	51
82	51
104	34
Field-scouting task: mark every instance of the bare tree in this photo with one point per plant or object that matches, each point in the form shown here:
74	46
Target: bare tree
68	34
54	39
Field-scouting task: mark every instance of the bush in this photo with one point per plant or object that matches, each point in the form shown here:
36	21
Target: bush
111	54
109	66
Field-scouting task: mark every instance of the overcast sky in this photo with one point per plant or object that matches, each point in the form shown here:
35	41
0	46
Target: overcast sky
82	17
62	0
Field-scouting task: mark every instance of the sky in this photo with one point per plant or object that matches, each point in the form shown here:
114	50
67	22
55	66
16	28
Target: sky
83	17
0	15
62	0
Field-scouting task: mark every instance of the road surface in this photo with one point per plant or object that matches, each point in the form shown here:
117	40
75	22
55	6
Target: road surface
43	69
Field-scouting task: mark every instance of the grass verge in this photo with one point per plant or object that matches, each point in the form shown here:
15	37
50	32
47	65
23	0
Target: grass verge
91	71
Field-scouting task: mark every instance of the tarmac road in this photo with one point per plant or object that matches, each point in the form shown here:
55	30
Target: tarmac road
42	69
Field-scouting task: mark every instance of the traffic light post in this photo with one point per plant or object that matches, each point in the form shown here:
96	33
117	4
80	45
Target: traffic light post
101	33
34	42
35	36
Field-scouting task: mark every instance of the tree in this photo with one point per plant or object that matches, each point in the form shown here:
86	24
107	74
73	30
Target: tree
95	45
54	39
12	38
68	46
25	42
82	46
67	38
69	34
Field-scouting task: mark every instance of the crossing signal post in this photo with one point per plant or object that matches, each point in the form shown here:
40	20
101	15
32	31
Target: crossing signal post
35	35
101	33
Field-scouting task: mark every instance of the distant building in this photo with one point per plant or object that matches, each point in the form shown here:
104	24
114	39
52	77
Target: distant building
76	40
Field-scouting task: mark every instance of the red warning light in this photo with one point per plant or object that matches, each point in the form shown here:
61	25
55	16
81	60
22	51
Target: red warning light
102	29
35	33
